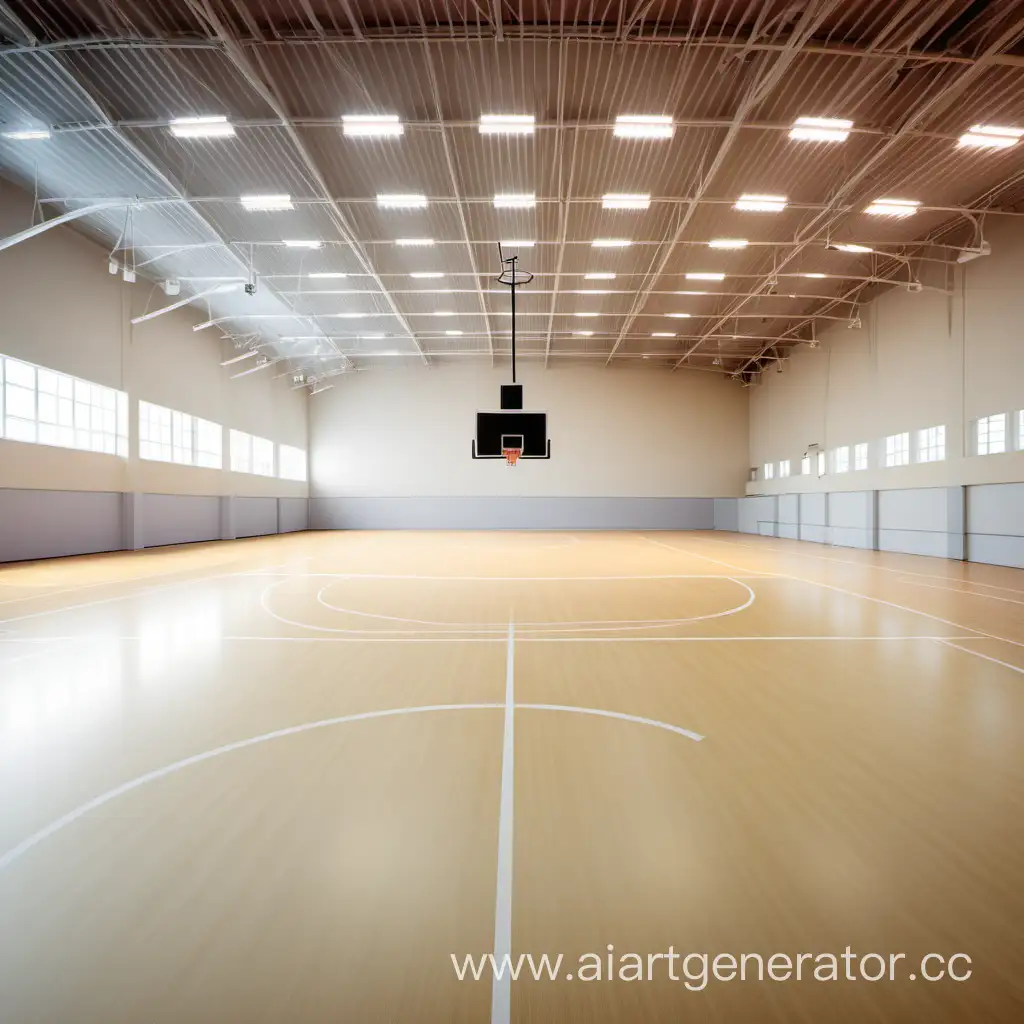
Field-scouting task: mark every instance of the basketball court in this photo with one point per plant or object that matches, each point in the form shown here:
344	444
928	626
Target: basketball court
288	785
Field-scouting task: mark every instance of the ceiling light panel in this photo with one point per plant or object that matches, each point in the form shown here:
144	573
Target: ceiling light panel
213	127
611	243
728	243
678	316
626	201
266	203
893	207
821	129
427	274
401	201
302	243
515	201
851	247
517	243
27	134
705	275
507	124
663	334
599	276
408	242
643	126
990	136
372	126
326	275
756	203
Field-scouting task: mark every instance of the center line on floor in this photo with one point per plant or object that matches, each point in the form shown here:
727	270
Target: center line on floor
501	990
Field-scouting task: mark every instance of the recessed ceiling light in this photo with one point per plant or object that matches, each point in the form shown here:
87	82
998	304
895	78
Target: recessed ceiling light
302	243
990	136
515	201
427	274
611	243
414	241
27	134
266	203
728	243
599	276
754	203
626	201
893	207
663	334
216	127
816	275
851	247
371	125
643	126
679	316
586	314
401	201
323	275
702	275
453	334
584	334
518	243
821	129
507	124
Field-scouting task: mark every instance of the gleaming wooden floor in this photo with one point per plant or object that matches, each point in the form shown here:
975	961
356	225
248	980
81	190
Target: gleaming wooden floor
266	781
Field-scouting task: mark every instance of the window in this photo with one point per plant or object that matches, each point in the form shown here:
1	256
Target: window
251	454
769	470
841	459
931	444
860	456
805	465
291	462
41	406
166	435
992	434
784	467
821	463
897	450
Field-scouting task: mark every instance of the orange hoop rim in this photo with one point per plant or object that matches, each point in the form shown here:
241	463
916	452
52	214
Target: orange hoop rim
511	455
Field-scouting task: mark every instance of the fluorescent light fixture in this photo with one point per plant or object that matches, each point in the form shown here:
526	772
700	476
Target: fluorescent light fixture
371	125
643	126
592	291
427	274
325	275
755	203
599	276
692	293
851	247
816	275
401	201
990	136
679	316
702	275
821	129
346	316
218	127
507	124
372	337
518	243
264	362
414	241
453	334
728	243
515	201
302	243
245	355
893	207
28	134
583	334
663	334
610	243
586	314
269	204
626	201
443	312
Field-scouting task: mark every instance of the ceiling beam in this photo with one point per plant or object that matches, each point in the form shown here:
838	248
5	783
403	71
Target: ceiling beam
265	89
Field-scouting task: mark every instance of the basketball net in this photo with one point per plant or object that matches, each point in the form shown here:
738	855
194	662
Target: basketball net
511	454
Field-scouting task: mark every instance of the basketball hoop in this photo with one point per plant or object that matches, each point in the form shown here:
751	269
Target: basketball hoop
511	454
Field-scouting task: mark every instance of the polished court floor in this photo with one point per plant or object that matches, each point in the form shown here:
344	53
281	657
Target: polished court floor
285	779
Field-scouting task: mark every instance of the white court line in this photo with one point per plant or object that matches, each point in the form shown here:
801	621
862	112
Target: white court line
963	593
16	852
754	575
537	626
124	597
501	986
948	643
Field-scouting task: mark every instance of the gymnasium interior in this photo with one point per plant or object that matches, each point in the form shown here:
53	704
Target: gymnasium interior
511	511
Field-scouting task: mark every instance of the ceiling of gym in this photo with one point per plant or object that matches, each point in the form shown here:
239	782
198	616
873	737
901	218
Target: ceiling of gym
106	78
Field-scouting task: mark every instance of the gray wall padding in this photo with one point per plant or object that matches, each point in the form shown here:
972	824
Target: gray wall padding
179	519
254	517
46	524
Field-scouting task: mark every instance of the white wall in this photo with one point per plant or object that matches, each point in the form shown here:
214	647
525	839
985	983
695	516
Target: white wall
62	310
920	360
614	432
